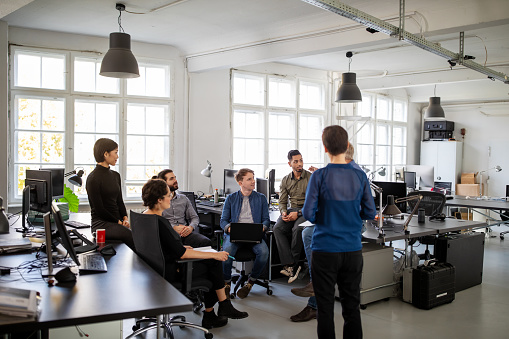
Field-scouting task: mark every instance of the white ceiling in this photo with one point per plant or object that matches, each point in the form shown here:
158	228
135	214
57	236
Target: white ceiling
230	33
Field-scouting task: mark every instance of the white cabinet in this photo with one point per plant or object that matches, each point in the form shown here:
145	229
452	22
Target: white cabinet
445	157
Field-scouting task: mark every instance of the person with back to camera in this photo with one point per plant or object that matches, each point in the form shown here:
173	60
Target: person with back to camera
104	189
338	198
156	197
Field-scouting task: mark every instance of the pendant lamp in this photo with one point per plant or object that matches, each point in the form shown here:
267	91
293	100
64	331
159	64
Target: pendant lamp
434	110
348	91
119	61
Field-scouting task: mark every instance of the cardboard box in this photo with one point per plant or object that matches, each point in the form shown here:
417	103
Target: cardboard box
471	190
468	178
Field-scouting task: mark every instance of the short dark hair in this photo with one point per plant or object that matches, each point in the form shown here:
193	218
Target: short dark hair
102	146
152	191
335	139
292	153
241	173
162	174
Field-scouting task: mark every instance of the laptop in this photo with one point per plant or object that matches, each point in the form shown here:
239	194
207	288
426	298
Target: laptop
246	232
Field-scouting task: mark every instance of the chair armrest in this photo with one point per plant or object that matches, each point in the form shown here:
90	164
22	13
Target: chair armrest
219	234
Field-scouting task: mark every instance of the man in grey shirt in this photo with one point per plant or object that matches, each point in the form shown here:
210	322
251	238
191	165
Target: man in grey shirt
181	214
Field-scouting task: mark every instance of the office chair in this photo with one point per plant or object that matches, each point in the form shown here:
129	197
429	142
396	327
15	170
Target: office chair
433	203
145	228
203	229
243	255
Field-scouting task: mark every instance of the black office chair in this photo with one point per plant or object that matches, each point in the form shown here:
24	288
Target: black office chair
145	228
243	255
203	229
433	204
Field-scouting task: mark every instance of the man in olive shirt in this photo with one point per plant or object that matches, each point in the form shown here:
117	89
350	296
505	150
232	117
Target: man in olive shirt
287	231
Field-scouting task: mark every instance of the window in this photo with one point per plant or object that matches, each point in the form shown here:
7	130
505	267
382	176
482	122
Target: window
266	125
382	141
57	126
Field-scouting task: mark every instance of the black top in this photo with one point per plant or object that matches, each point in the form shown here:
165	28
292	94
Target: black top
105	195
172	246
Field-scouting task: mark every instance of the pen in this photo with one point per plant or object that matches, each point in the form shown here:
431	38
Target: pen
231	257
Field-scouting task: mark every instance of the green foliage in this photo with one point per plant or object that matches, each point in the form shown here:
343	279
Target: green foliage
70	198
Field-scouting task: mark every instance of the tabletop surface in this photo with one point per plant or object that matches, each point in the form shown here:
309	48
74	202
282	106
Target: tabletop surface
475	202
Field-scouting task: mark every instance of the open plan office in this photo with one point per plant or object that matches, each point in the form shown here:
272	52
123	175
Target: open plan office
206	88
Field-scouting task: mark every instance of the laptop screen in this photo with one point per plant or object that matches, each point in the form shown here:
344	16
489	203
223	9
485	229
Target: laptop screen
246	232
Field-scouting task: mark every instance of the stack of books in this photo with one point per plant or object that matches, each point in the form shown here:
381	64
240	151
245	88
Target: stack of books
15	245
18	303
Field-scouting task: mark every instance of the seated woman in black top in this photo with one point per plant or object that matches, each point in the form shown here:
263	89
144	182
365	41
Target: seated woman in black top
104	190
157	197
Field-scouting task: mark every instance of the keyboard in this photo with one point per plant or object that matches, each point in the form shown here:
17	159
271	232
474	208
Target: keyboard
209	203
75	224
92	262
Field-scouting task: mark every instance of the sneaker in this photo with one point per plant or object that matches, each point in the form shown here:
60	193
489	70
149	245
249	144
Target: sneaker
211	320
294	276
287	271
305	292
226	309
308	313
244	291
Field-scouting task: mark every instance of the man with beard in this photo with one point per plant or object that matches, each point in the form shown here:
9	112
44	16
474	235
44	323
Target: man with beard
181	214
287	231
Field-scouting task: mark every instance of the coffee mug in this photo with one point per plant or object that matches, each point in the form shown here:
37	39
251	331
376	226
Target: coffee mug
100	236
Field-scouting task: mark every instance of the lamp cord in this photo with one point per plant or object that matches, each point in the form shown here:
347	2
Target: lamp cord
120	28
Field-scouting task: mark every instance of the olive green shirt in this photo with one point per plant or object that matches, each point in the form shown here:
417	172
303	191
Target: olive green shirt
293	189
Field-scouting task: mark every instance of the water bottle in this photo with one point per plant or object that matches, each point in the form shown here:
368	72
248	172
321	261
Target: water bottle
216	196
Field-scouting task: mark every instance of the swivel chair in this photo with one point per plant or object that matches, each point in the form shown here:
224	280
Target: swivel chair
145	228
433	203
244	254
203	229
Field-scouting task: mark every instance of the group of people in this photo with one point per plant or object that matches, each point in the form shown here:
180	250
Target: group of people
334	199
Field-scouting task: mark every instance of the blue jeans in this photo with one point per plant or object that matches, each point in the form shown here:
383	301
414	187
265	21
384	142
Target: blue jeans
261	251
307	235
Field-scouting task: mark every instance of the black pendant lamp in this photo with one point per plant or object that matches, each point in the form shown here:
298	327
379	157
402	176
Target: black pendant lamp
119	61
348	91
434	110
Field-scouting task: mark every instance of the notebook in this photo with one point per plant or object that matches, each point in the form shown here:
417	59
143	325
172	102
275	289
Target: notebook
14	245
245	232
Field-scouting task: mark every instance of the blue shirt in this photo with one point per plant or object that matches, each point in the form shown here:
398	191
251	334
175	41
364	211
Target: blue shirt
338	198
233	205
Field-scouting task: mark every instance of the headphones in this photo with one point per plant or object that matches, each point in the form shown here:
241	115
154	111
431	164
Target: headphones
439	216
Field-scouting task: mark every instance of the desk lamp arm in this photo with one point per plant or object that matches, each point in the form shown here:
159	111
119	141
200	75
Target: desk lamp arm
409	218
378	190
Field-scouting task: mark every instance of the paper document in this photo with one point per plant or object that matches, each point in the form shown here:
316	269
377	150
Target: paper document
205	249
306	223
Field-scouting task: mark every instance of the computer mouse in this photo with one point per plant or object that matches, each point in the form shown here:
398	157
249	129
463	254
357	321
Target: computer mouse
65	275
108	250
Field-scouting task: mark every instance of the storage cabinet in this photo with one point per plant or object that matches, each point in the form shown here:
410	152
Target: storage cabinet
445	157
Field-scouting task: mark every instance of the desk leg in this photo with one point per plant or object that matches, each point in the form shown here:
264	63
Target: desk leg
158	331
270	259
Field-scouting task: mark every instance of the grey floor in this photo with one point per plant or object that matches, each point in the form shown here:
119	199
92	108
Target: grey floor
479	312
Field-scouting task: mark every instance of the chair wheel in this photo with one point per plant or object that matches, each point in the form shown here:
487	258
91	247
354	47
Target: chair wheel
197	308
136	328
269	292
232	296
209	335
363	307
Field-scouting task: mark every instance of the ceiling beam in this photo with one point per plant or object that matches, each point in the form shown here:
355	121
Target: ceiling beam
379	25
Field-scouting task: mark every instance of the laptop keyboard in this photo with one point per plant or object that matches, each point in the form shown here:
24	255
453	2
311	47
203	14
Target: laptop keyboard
75	224
209	203
92	262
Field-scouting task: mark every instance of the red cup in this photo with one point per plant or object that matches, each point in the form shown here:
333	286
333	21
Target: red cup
100	236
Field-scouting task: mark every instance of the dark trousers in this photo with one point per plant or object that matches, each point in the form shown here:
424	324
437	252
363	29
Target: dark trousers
212	270
344	269
196	240
288	236
115	231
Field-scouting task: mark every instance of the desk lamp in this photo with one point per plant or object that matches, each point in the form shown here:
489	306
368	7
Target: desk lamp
207	172
380	171
407	221
496	168
76	177
391	208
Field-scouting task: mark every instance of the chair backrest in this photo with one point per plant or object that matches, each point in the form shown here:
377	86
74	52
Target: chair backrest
190	196
432	202
145	228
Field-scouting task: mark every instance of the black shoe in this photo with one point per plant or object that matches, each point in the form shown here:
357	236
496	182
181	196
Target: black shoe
210	320
308	313
226	309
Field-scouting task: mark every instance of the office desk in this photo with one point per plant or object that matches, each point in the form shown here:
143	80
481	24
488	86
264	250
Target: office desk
473	203
129	289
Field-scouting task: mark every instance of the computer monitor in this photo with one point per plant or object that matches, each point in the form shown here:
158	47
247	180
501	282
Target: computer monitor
62	235
25	207
40	189
425	173
270	174
410	179
262	186
48	245
397	189
57	182
230	184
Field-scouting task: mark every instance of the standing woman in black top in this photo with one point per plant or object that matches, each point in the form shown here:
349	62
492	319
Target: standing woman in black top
104	189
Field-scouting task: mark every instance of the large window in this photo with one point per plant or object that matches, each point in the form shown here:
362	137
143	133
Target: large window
381	140
61	106
272	115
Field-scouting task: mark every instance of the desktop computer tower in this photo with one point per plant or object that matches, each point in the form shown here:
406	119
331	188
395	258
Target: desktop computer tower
466	253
